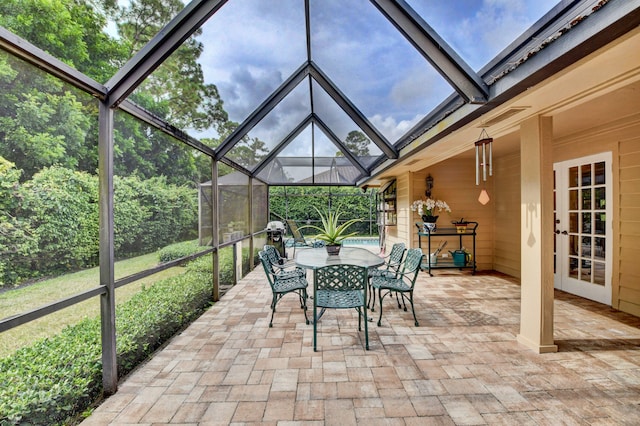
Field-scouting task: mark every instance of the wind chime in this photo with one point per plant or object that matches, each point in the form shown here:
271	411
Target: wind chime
483	144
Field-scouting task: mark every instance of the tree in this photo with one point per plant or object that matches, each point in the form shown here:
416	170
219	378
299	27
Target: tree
177	85
357	143
43	121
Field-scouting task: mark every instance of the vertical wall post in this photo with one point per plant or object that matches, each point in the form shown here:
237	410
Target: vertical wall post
251	265
536	238
215	227
106	256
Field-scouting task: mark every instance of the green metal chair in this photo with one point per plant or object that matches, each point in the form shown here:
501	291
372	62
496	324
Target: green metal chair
340	287
402	284
389	269
283	284
279	265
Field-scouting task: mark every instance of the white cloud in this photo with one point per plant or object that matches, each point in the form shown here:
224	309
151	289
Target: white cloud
252	46
389	126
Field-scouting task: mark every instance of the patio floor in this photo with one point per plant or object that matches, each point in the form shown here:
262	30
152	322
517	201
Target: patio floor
462	365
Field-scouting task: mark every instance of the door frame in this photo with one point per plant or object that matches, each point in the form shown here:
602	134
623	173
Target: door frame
562	280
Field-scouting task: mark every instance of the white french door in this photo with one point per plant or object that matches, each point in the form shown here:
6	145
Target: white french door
583	226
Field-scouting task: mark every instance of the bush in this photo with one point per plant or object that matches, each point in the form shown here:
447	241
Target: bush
61	206
49	224
179	250
152	214
58	378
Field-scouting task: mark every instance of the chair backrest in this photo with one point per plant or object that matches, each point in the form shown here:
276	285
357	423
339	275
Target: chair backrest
268	268
412	263
396	255
272	254
342	277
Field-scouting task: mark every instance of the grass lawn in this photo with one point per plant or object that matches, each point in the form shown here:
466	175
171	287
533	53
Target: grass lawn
24	299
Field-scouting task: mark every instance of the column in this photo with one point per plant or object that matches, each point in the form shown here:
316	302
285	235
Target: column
536	238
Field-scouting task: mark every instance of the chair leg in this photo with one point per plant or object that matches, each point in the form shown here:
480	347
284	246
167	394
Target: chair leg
274	300
373	298
366	329
380	298
315	326
303	299
412	309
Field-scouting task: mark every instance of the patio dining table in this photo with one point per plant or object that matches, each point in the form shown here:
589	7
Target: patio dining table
315	258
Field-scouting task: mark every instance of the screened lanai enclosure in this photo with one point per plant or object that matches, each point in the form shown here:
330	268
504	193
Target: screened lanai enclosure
119	119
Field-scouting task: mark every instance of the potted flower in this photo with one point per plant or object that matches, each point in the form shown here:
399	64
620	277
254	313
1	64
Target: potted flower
331	232
427	208
461	225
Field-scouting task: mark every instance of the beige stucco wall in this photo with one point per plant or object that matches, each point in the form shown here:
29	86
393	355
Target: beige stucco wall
498	241
454	182
506	204
622	139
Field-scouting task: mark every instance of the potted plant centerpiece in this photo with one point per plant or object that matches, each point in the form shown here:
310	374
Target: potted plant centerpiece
331	232
427	208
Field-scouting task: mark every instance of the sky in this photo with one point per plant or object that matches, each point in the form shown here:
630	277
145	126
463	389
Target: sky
252	46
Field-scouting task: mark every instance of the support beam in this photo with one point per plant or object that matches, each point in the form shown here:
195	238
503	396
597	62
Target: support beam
266	161
435	50
340	145
536	238
159	48
106	253
259	113
26	51
353	112
215	225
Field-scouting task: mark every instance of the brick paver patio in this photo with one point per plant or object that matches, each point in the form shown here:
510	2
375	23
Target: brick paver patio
462	366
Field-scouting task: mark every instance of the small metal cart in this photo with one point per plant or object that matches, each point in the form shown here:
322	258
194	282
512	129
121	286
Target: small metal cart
451	231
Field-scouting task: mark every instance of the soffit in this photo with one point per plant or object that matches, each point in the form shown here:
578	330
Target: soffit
599	89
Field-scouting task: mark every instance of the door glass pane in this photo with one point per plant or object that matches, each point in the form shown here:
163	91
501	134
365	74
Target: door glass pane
573	222
600	224
573	267
586	223
586	199
586	247
586	174
573	199
600	198
573	177
573	245
585	271
598	273
598	171
598	248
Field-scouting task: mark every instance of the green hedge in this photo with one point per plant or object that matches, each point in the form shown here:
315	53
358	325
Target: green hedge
58	378
179	250
49	224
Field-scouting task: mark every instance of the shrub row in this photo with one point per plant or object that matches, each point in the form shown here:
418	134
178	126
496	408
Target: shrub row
49	224
58	378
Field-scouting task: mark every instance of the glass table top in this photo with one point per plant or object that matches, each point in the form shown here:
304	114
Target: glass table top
315	258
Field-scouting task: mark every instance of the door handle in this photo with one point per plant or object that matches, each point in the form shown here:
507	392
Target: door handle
557	231
565	233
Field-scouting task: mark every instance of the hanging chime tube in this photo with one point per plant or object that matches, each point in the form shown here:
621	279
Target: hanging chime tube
477	166
484	162
490	159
